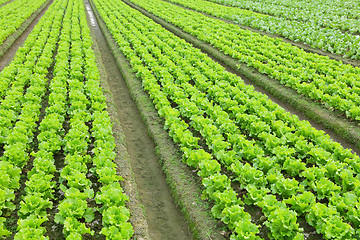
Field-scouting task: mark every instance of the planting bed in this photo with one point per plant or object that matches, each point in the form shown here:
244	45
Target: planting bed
129	119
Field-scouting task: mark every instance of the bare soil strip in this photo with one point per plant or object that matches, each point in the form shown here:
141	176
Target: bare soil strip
304	46
15	40
164	219
137	217
333	123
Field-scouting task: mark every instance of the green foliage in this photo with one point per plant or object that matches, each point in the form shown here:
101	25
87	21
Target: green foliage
301	203
282	224
223	126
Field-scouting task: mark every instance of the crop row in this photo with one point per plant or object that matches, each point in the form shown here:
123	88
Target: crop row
308	4
330	39
14	14
217	185
3	1
24	110
350	8
329	82
194	101
15	78
88	180
331	15
111	198
88	104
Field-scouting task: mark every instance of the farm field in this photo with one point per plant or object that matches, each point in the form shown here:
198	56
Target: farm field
129	119
52	114
14	14
330	28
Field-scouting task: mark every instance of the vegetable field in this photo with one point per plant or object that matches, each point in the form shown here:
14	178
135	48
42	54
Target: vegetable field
53	106
14	14
260	170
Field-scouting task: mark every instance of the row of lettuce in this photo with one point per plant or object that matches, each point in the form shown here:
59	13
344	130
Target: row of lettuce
334	14
22	110
3	1
75	127
338	36
329	82
349	7
235	136
14	14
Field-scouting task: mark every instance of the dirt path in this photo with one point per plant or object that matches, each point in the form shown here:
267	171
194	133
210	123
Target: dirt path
11	51
165	221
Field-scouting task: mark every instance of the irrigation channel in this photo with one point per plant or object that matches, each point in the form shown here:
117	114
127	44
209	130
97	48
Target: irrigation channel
165	220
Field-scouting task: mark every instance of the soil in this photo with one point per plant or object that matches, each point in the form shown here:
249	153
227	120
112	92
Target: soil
20	35
55	230
165	220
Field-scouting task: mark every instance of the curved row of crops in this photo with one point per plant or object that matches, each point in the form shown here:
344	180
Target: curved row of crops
333	14
333	84
12	15
334	35
53	113
3	1
236	136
